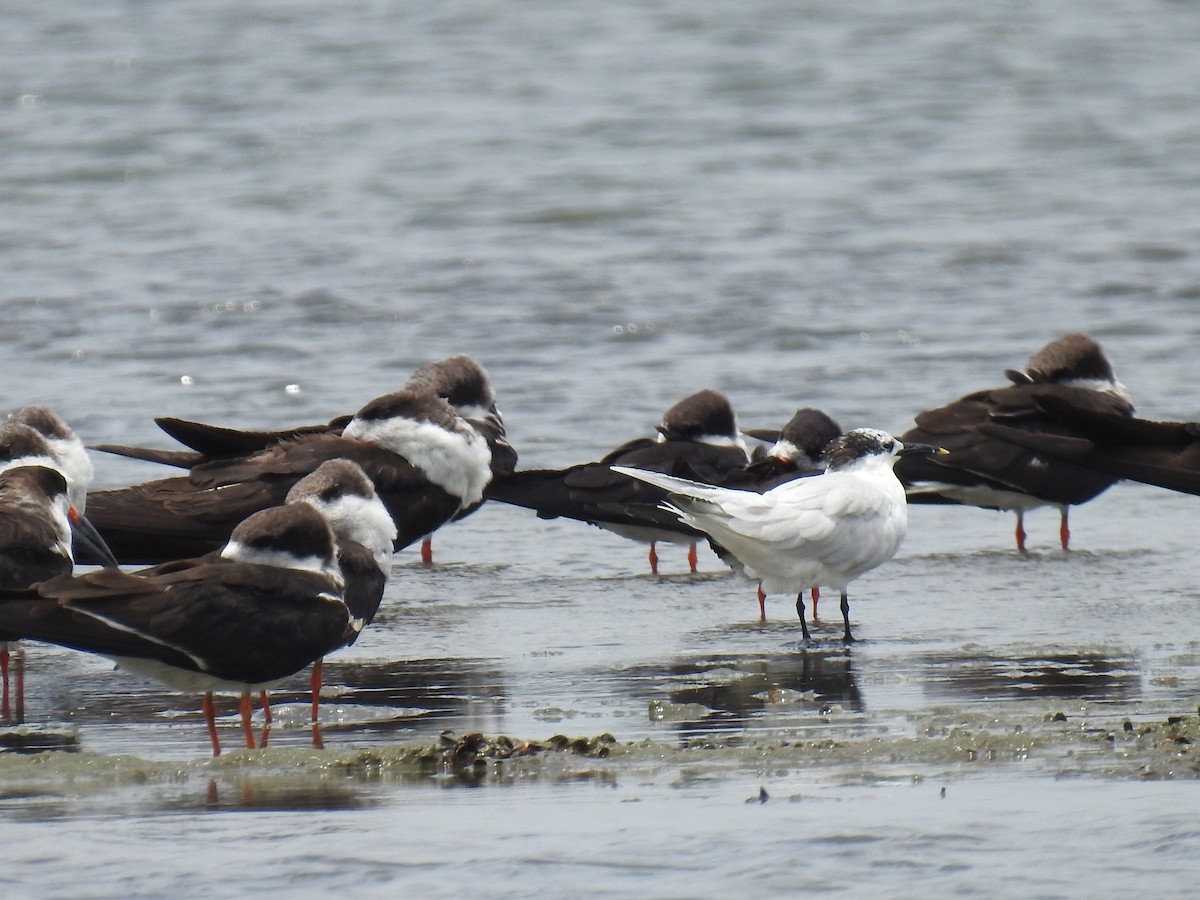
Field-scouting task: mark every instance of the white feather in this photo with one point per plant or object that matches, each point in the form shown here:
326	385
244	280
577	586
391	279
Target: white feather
239	552
366	521
459	462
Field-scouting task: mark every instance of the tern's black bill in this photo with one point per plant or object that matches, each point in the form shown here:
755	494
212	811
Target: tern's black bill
923	450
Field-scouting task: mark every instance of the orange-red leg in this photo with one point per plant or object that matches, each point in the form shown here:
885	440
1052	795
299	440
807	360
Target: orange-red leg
317	679
762	605
265	698
693	560
1020	530
247	709
427	551
816	595
210	719
1064	532
653	560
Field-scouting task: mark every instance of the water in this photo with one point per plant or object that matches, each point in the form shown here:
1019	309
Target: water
267	216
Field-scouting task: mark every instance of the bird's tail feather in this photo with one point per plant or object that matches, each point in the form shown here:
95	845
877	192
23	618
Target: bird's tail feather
681	486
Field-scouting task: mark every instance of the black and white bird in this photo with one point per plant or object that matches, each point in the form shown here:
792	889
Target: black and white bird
21	444
459	380
71	458
987	471
65	446
464	384
698	439
426	462
798	450
341	491
344	495
269	608
37	525
364	531
825	530
38	514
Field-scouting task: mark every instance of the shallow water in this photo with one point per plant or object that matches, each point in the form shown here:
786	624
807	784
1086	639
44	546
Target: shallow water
264	217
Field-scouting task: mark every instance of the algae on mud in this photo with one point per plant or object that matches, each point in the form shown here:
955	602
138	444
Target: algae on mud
944	745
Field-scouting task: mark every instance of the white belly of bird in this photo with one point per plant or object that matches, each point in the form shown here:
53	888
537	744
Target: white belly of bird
857	547
186	680
980	495
646	534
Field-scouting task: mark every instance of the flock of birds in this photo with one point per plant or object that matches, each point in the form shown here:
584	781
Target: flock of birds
274	549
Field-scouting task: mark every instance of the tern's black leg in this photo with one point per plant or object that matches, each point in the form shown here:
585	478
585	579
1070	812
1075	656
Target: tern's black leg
800	613
847	637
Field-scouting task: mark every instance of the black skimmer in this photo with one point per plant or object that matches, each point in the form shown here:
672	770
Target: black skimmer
797	451
364	531
459	380
344	495
272	606
22	446
37	525
66	447
71	458
465	385
698	439
824	530
983	470
426	462
341	491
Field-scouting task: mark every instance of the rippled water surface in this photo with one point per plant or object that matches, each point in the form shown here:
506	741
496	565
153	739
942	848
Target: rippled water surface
265	216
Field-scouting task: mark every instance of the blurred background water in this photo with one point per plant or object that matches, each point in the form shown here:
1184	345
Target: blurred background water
268	214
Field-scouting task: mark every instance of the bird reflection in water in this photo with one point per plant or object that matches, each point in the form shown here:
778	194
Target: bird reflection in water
724	697
397	695
274	794
375	697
